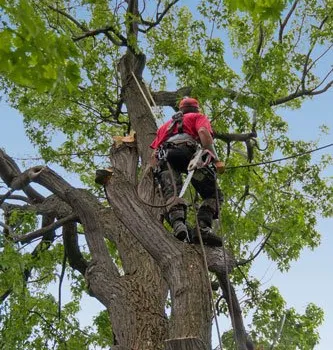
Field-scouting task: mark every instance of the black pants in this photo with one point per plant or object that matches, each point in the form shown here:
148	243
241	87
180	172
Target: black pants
203	180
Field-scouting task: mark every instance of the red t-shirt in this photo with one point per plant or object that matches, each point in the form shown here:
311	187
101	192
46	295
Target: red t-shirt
192	122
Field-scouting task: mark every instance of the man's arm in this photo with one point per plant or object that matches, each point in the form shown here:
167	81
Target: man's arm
207	142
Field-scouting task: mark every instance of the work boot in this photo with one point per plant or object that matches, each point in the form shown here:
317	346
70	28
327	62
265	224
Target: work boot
208	236
180	230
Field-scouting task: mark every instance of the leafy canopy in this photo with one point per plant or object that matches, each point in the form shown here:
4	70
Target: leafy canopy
242	65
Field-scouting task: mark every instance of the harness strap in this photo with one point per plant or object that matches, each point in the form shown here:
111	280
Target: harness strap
177	119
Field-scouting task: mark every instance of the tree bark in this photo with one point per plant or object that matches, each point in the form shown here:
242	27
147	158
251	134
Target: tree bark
185	344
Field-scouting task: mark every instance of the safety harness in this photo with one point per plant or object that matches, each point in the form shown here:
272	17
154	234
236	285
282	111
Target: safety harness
174	140
177	119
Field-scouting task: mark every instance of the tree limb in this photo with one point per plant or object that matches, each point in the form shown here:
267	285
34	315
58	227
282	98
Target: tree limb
159	18
241	339
88	33
121	42
300	94
14	197
227	137
9	171
40	232
170	98
74	255
284	23
261	39
68	16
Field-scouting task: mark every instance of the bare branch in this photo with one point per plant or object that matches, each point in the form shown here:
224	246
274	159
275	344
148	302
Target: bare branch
284	23
262	246
15	197
301	94
68	16
328	86
305	68
121	42
322	82
319	57
159	18
88	33
42	231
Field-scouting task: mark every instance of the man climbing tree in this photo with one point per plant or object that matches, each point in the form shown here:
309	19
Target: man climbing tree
79	70
175	145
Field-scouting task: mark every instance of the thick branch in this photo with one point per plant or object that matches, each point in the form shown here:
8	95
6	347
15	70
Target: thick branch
87	207
14	197
234	137
241	339
170	98
75	257
132	15
9	171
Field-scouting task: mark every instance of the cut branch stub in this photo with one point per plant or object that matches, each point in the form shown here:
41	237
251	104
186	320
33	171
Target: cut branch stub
124	157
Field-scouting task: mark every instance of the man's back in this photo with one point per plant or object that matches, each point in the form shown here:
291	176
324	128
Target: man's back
191	123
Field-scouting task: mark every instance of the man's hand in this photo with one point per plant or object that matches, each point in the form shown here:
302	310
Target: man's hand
220	167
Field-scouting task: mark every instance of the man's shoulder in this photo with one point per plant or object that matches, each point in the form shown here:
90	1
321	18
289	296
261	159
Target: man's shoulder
195	115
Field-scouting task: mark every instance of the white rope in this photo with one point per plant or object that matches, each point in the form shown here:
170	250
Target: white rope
144	95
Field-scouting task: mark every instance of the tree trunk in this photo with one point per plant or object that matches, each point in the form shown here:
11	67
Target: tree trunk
185	344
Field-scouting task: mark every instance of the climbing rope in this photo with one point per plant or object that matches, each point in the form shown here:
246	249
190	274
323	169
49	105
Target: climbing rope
204	256
174	195
232	315
280	159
